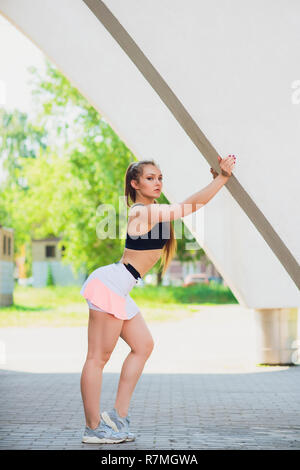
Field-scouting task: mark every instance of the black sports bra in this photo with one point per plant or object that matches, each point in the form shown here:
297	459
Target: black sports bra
155	239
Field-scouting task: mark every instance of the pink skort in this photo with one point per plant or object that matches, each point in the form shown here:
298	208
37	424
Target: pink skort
107	289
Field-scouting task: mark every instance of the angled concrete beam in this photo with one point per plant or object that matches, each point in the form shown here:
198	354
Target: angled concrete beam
119	33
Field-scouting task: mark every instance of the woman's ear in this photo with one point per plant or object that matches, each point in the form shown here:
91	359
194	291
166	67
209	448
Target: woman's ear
132	184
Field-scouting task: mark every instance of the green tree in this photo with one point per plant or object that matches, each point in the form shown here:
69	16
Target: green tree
19	139
81	166
50	279
62	164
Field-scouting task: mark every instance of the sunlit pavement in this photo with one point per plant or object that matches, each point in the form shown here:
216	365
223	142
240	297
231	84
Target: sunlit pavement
200	388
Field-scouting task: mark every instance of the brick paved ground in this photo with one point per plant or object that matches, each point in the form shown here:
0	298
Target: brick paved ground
200	389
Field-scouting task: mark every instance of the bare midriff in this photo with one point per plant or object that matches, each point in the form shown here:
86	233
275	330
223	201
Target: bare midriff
141	260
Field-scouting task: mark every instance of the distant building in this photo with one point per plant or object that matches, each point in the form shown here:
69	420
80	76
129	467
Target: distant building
6	265
47	255
177	270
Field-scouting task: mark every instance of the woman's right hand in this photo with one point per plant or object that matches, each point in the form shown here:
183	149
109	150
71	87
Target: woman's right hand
227	164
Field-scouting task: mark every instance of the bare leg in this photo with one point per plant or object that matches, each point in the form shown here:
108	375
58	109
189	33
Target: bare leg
103	333
137	335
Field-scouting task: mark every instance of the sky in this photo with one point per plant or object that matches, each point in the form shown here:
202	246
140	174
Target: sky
17	53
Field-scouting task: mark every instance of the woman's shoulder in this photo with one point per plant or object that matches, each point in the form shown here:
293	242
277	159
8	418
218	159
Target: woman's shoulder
133	211
134	215
161	212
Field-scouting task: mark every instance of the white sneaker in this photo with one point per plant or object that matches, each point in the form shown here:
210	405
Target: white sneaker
117	423
103	434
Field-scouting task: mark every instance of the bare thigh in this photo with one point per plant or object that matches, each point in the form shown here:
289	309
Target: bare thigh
103	333
137	335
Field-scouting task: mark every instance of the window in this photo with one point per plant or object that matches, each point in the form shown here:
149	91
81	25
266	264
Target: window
4	244
9	240
50	251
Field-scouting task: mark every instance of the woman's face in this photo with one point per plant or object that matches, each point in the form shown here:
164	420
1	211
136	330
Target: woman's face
150	184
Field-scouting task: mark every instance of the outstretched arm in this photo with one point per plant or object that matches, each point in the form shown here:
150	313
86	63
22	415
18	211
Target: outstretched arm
203	196
154	213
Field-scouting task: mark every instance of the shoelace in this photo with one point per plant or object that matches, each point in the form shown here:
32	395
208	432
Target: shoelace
124	421
104	425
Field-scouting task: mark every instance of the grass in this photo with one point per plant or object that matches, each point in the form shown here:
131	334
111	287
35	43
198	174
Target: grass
57	306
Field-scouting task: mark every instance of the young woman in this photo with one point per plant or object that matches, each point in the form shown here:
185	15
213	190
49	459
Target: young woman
113	313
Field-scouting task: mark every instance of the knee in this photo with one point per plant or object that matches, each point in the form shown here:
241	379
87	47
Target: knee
146	349
99	360
149	347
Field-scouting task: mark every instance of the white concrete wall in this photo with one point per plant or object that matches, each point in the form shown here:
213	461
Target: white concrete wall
6	277
232	65
62	274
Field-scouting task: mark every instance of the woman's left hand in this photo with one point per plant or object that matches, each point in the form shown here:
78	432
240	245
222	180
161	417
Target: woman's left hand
214	173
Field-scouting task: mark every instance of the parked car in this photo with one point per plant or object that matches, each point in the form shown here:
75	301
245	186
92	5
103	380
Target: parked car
197	278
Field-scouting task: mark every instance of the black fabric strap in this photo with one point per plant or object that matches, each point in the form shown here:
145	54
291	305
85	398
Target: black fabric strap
132	270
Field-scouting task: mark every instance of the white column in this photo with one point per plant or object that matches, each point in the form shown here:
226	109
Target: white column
276	335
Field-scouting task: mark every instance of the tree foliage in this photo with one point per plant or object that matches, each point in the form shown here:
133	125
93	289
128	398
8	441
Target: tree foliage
61	165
